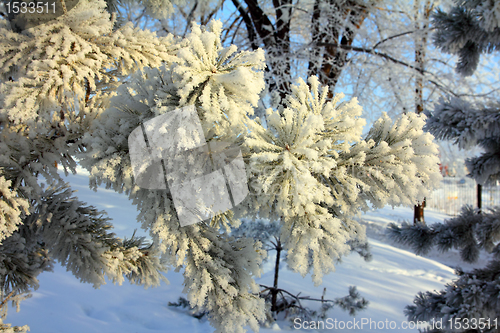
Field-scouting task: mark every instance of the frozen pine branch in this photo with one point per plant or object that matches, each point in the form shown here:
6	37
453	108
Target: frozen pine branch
383	165
295	305
280	300
219	278
469	232
224	84
64	229
468	30
485	168
12	209
74	54
463	123
312	168
474	295
352	302
55	78
467	126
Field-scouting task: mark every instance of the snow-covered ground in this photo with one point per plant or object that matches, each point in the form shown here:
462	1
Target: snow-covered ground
390	282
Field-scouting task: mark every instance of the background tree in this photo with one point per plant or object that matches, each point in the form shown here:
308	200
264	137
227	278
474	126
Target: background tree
471	301
378	41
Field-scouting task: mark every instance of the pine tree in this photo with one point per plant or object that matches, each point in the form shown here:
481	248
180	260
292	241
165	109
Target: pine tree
299	170
77	86
55	78
468	30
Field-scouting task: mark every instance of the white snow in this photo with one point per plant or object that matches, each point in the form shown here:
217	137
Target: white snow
390	282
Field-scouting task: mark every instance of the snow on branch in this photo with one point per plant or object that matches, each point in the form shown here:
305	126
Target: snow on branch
467	31
78	236
467	126
469	232
458	120
301	167
53	63
471	297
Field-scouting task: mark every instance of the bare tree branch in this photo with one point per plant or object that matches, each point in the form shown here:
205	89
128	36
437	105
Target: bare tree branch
252	34
396	36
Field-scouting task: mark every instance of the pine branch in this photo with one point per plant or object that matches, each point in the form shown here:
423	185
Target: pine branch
397	36
469	232
62	228
463	123
351	303
6	299
460	32
486	167
473	295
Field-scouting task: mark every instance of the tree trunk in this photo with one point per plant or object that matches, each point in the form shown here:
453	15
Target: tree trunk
327	64
276	40
420	45
335	35
418	214
274	290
